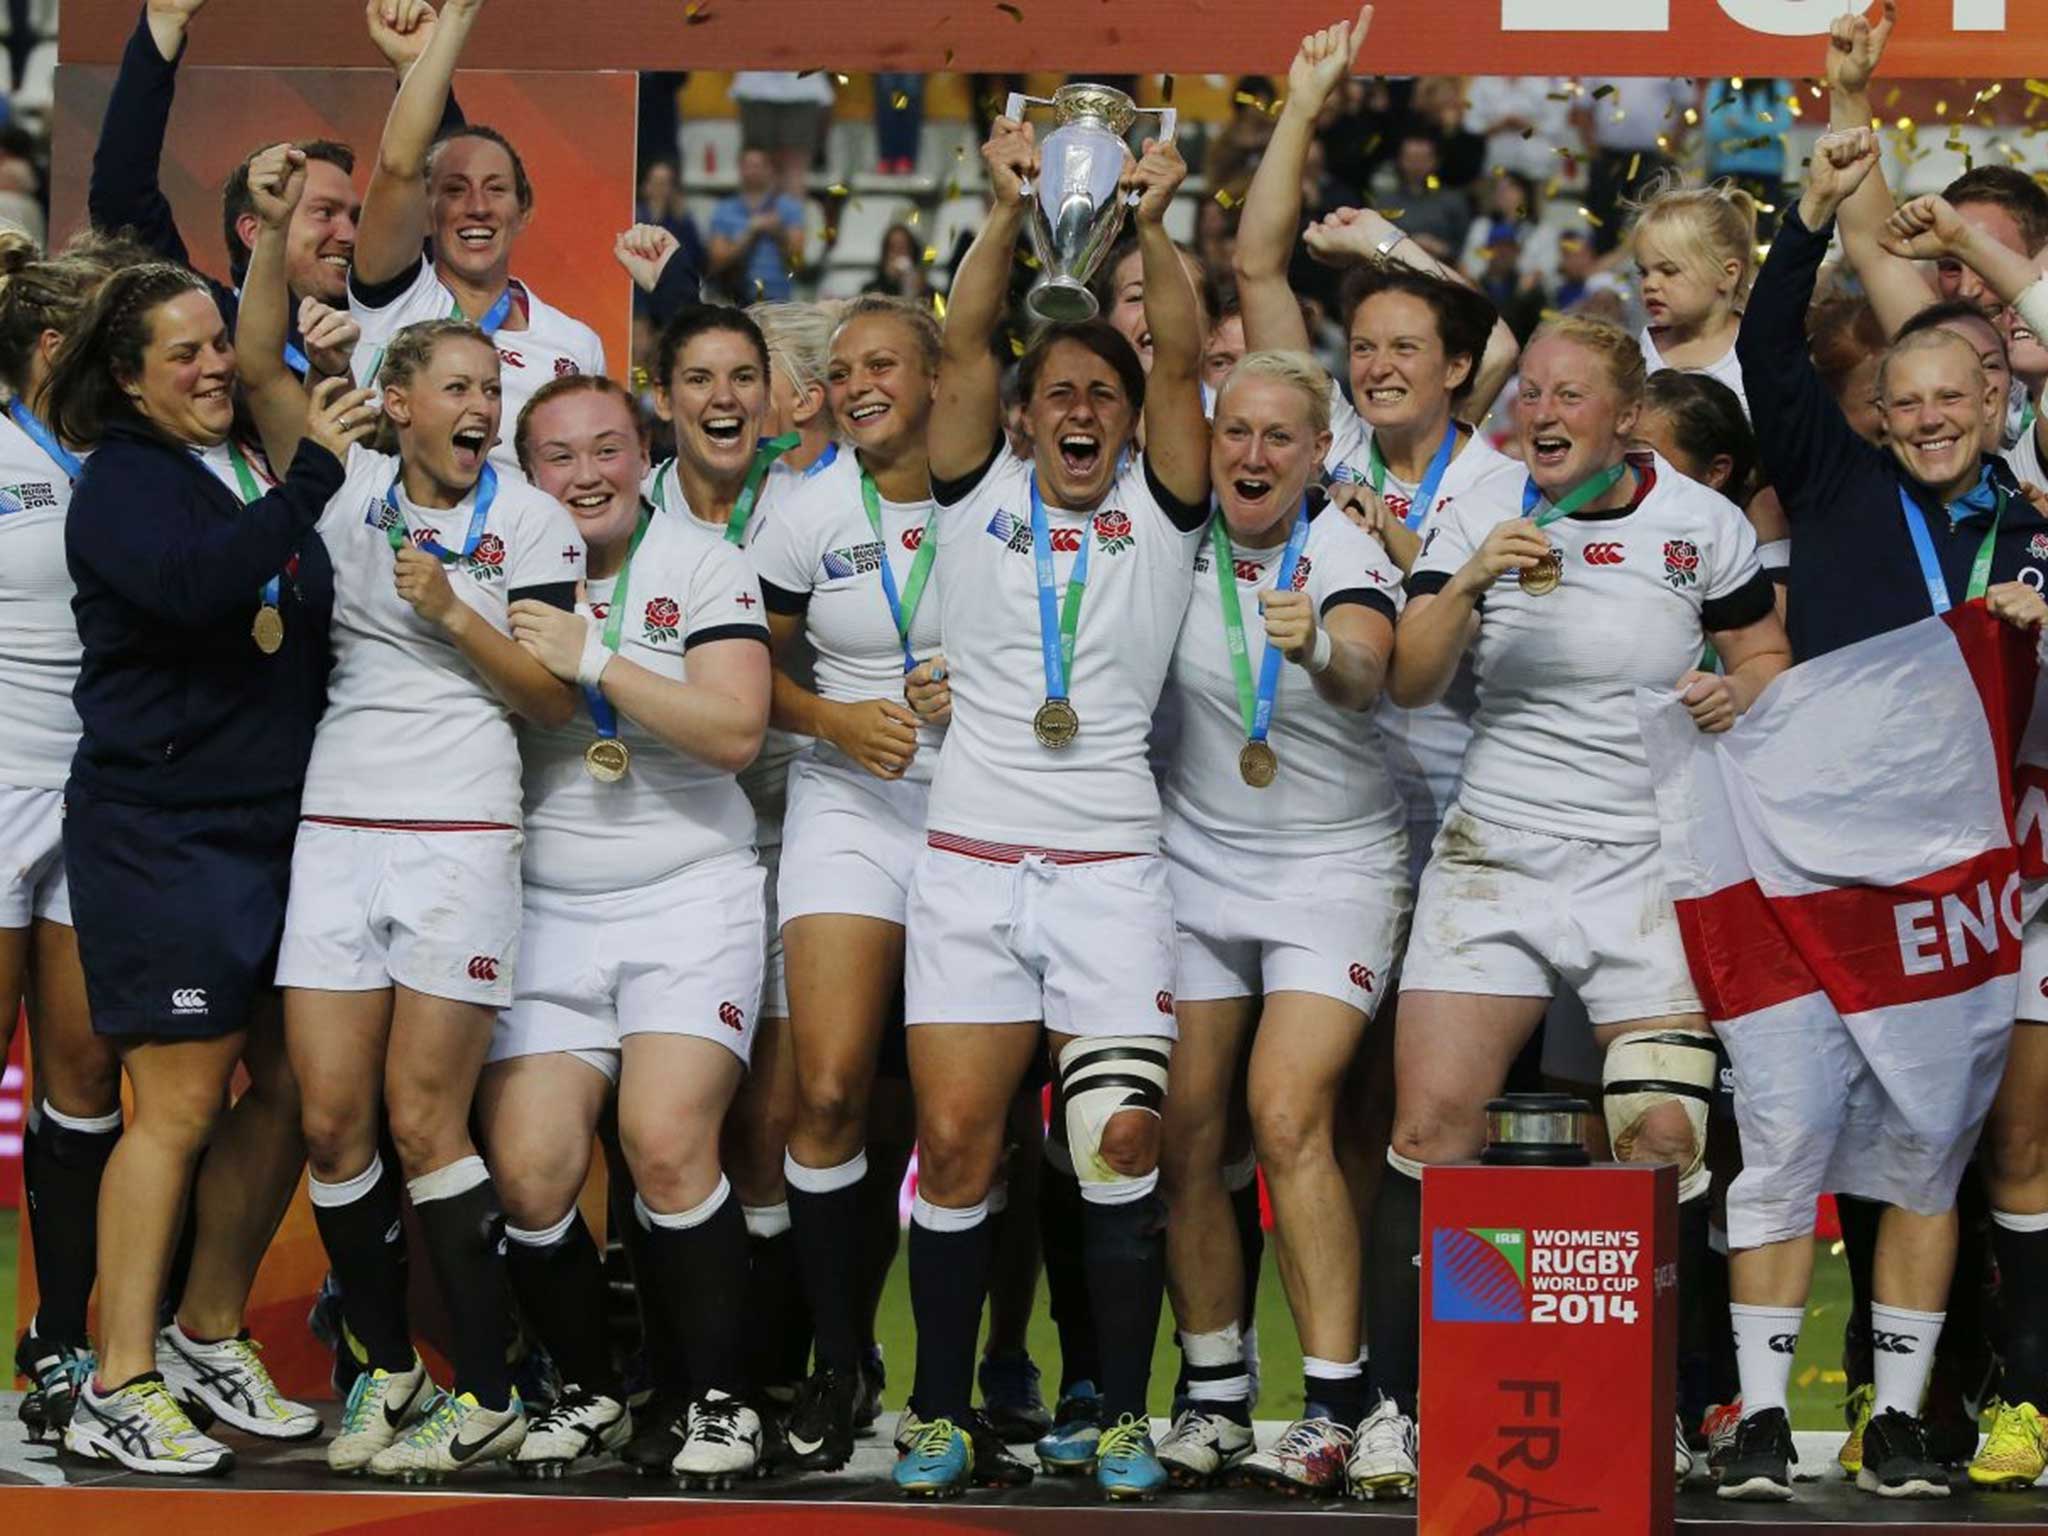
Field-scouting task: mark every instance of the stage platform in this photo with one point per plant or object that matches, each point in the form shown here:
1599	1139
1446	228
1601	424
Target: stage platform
286	1491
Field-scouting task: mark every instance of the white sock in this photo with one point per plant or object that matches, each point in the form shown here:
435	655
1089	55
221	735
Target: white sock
767	1220
1902	1353
1215	1362
1765	1340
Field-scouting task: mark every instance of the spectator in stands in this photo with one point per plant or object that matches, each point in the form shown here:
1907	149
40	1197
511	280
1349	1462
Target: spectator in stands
1358	127
757	234
661	204
1524	118
1580	272
901	271
1439	106
1744	126
1417	198
785	114
1235	151
1216	234
1626	126
899	115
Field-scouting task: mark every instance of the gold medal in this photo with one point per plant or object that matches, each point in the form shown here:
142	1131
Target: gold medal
268	630
1257	765
1056	724
606	759
1542	577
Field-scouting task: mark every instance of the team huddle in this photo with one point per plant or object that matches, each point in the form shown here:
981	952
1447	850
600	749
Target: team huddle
411	774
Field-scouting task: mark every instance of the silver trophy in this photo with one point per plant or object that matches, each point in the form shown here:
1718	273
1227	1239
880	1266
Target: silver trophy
1078	209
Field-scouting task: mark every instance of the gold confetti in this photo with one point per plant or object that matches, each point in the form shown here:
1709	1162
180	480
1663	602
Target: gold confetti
2038	87
1809	1376
1224	200
1166	89
1015	13
1600	93
939	305
899	100
1390	214
949	59
839	79
1834	1378
1736	82
1692	116
931	254
1941	107
1432	183
1591	217
1792	105
837	189
1016	347
694	14
1635	164
1892	98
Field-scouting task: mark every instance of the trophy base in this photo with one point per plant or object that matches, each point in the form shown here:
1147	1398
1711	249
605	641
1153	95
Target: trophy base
1061	300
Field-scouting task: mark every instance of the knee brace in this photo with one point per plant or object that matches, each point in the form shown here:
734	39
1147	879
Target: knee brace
1100	1078
1658	1066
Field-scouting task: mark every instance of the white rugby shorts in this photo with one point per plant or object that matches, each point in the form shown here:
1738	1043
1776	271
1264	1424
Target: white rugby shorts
680	957
436	911
774	978
1506	912
849	842
2033	1002
32	857
1004	935
1248	925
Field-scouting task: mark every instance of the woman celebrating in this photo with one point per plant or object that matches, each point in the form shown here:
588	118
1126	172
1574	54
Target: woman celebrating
403	926
1276	759
845	568
74	1115
202	622
465	194
1039	905
1548	867
636	833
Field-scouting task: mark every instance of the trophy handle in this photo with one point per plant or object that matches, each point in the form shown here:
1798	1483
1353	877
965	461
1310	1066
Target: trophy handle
1169	120
1014	107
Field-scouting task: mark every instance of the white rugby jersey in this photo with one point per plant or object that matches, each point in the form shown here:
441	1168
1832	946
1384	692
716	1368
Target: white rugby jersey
1724	369
2023	458
552	346
995	782
766	779
818	556
39	647
1555	745
411	732
687	587
1333	791
1425	747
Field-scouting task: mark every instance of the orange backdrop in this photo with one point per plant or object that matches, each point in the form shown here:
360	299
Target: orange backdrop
1979	38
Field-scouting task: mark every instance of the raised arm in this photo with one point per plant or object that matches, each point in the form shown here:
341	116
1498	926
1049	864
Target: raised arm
124	191
966	412
1176	430
394	218
1271	220
276	398
1896	290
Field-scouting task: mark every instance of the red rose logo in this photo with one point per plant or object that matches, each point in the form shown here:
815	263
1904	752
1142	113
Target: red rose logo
1301	570
565	366
1112	532
490	550
663	618
1163	1002
1681	562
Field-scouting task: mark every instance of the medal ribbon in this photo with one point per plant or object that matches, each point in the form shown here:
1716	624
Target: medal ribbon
1425	494
1930	567
46	440
486	492
769	450
602	715
494	318
902	609
1577	497
1255	706
245	477
1056	628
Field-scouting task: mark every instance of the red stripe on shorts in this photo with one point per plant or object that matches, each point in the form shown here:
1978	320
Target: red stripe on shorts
1011	853
410	826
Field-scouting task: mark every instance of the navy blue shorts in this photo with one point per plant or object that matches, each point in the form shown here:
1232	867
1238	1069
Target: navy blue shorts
178	910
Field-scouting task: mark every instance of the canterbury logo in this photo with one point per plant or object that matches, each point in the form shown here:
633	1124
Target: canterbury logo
1784	1343
1064	541
188	1000
483	967
1891	1343
1361	977
1603	554
730	1016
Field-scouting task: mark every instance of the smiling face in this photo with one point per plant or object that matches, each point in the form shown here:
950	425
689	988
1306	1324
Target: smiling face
1574	422
1676	292
321	238
716	398
1080	419
879	388
1401	378
1937	410
1262	453
586	454
474	192
1126	308
447	414
187	383
1988	342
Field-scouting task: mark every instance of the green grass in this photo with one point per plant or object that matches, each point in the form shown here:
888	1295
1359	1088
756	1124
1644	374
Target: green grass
1816	1373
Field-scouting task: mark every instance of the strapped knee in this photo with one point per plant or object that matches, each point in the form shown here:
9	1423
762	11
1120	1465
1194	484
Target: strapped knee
1099	1079
1649	1067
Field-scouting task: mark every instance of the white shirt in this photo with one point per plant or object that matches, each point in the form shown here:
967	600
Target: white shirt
995	781
1539	100
1555	745
687	587
1425	748
39	647
1724	369
411	732
766	779
819	556
1638	110
1333	791
552	346
782	85
2023	458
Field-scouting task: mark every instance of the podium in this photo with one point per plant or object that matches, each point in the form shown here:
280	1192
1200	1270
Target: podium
1549	1345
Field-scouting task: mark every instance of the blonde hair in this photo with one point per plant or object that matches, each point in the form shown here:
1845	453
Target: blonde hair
1934	338
1298	369
1703	227
912	315
412	350
799	338
1613	345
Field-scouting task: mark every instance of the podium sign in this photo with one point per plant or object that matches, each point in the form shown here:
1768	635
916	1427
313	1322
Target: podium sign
1549	1343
